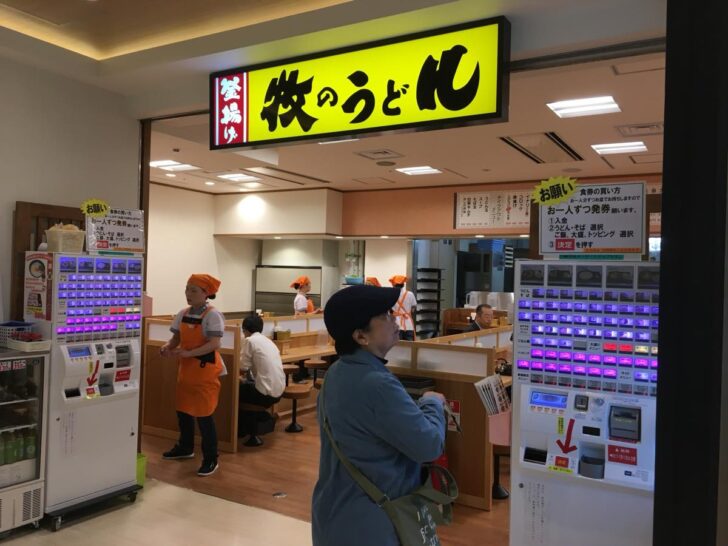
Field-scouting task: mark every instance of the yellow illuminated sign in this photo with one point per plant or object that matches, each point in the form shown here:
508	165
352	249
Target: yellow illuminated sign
446	77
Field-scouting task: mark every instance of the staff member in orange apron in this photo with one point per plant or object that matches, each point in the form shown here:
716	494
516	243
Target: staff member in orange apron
302	304
372	281
197	331
404	309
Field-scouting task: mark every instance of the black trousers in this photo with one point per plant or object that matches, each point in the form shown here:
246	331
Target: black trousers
207	431
248	394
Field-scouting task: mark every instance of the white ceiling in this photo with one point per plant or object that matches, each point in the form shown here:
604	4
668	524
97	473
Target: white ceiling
172	78
466	155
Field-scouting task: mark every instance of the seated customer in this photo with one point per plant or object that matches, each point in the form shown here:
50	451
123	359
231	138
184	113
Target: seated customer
483	317
262	363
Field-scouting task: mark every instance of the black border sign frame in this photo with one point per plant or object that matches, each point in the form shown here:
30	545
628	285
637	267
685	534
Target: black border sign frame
502	88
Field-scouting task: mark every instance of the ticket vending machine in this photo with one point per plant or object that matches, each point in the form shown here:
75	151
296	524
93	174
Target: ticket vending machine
90	306
584	397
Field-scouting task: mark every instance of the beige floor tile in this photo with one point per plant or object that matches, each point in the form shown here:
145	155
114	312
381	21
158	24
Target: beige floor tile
168	515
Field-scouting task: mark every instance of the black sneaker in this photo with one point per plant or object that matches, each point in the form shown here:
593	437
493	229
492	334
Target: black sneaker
177	453
208	468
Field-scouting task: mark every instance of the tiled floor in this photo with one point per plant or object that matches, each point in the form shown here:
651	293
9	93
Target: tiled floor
165	514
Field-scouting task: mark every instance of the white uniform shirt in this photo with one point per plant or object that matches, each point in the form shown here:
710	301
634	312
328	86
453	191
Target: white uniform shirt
262	358
300	303
213	324
405	323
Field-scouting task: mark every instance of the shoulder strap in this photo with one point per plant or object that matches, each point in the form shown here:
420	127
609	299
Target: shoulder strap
369	488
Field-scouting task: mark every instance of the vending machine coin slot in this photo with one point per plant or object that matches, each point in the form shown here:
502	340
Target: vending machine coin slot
591	431
624	423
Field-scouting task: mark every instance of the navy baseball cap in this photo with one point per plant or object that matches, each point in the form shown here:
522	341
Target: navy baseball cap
353	307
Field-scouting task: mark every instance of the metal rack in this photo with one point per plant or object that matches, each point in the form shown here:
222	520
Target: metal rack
428	290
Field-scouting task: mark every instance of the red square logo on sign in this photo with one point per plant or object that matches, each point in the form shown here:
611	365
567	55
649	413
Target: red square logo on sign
562	462
565	244
622	455
454	405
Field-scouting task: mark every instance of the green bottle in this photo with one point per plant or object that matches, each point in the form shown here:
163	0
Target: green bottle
30	447
10	447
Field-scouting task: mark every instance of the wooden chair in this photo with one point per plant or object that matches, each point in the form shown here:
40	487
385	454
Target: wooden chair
296	393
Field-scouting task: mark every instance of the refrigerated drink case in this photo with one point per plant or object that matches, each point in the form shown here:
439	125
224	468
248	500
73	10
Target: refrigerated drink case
23	386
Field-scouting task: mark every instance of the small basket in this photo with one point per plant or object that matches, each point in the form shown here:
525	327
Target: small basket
29	346
60	240
7	329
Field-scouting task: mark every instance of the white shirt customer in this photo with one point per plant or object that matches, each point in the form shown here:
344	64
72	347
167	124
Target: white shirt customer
262	357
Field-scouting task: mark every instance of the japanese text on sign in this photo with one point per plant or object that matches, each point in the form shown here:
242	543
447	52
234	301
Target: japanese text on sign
596	219
453	74
492	209
121	230
554	190
95	207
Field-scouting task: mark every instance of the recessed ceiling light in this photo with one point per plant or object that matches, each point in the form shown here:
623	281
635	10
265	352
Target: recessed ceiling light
238	177
479	236
170	175
252	185
620	148
209	183
384	236
276	237
339	141
524	236
592	106
414	171
339	237
180	167
163	163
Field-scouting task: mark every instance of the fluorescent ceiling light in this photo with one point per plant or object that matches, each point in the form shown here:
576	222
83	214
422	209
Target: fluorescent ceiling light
479	236
339	141
163	163
593	106
620	148
384	236
339	237
238	177
276	237
252	185
524	236
209	183
170	175
414	171
181	167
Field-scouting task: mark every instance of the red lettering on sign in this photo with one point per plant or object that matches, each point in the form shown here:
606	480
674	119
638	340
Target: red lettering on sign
622	455
122	375
102	244
565	244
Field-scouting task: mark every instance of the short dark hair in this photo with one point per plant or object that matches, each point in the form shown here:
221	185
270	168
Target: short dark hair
482	306
296	285
348	346
253	324
400	285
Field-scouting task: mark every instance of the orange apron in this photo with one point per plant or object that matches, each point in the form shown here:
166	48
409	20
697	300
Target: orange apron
309	306
400	312
198	384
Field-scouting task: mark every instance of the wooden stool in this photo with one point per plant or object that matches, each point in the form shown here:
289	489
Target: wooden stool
289	369
316	364
499	492
254	440
318	384
296	393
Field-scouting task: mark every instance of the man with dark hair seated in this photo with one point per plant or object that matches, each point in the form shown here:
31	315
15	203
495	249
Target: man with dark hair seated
483	317
261	363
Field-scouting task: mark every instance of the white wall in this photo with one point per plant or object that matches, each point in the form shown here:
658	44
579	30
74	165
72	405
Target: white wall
236	261
384	258
299	212
293	252
61	142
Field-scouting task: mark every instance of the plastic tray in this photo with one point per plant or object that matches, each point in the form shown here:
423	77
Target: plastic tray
28	346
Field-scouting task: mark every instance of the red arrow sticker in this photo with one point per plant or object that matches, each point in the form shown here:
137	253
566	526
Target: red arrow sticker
566	447
94	377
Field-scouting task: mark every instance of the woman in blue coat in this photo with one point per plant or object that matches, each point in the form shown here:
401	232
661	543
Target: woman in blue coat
377	425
